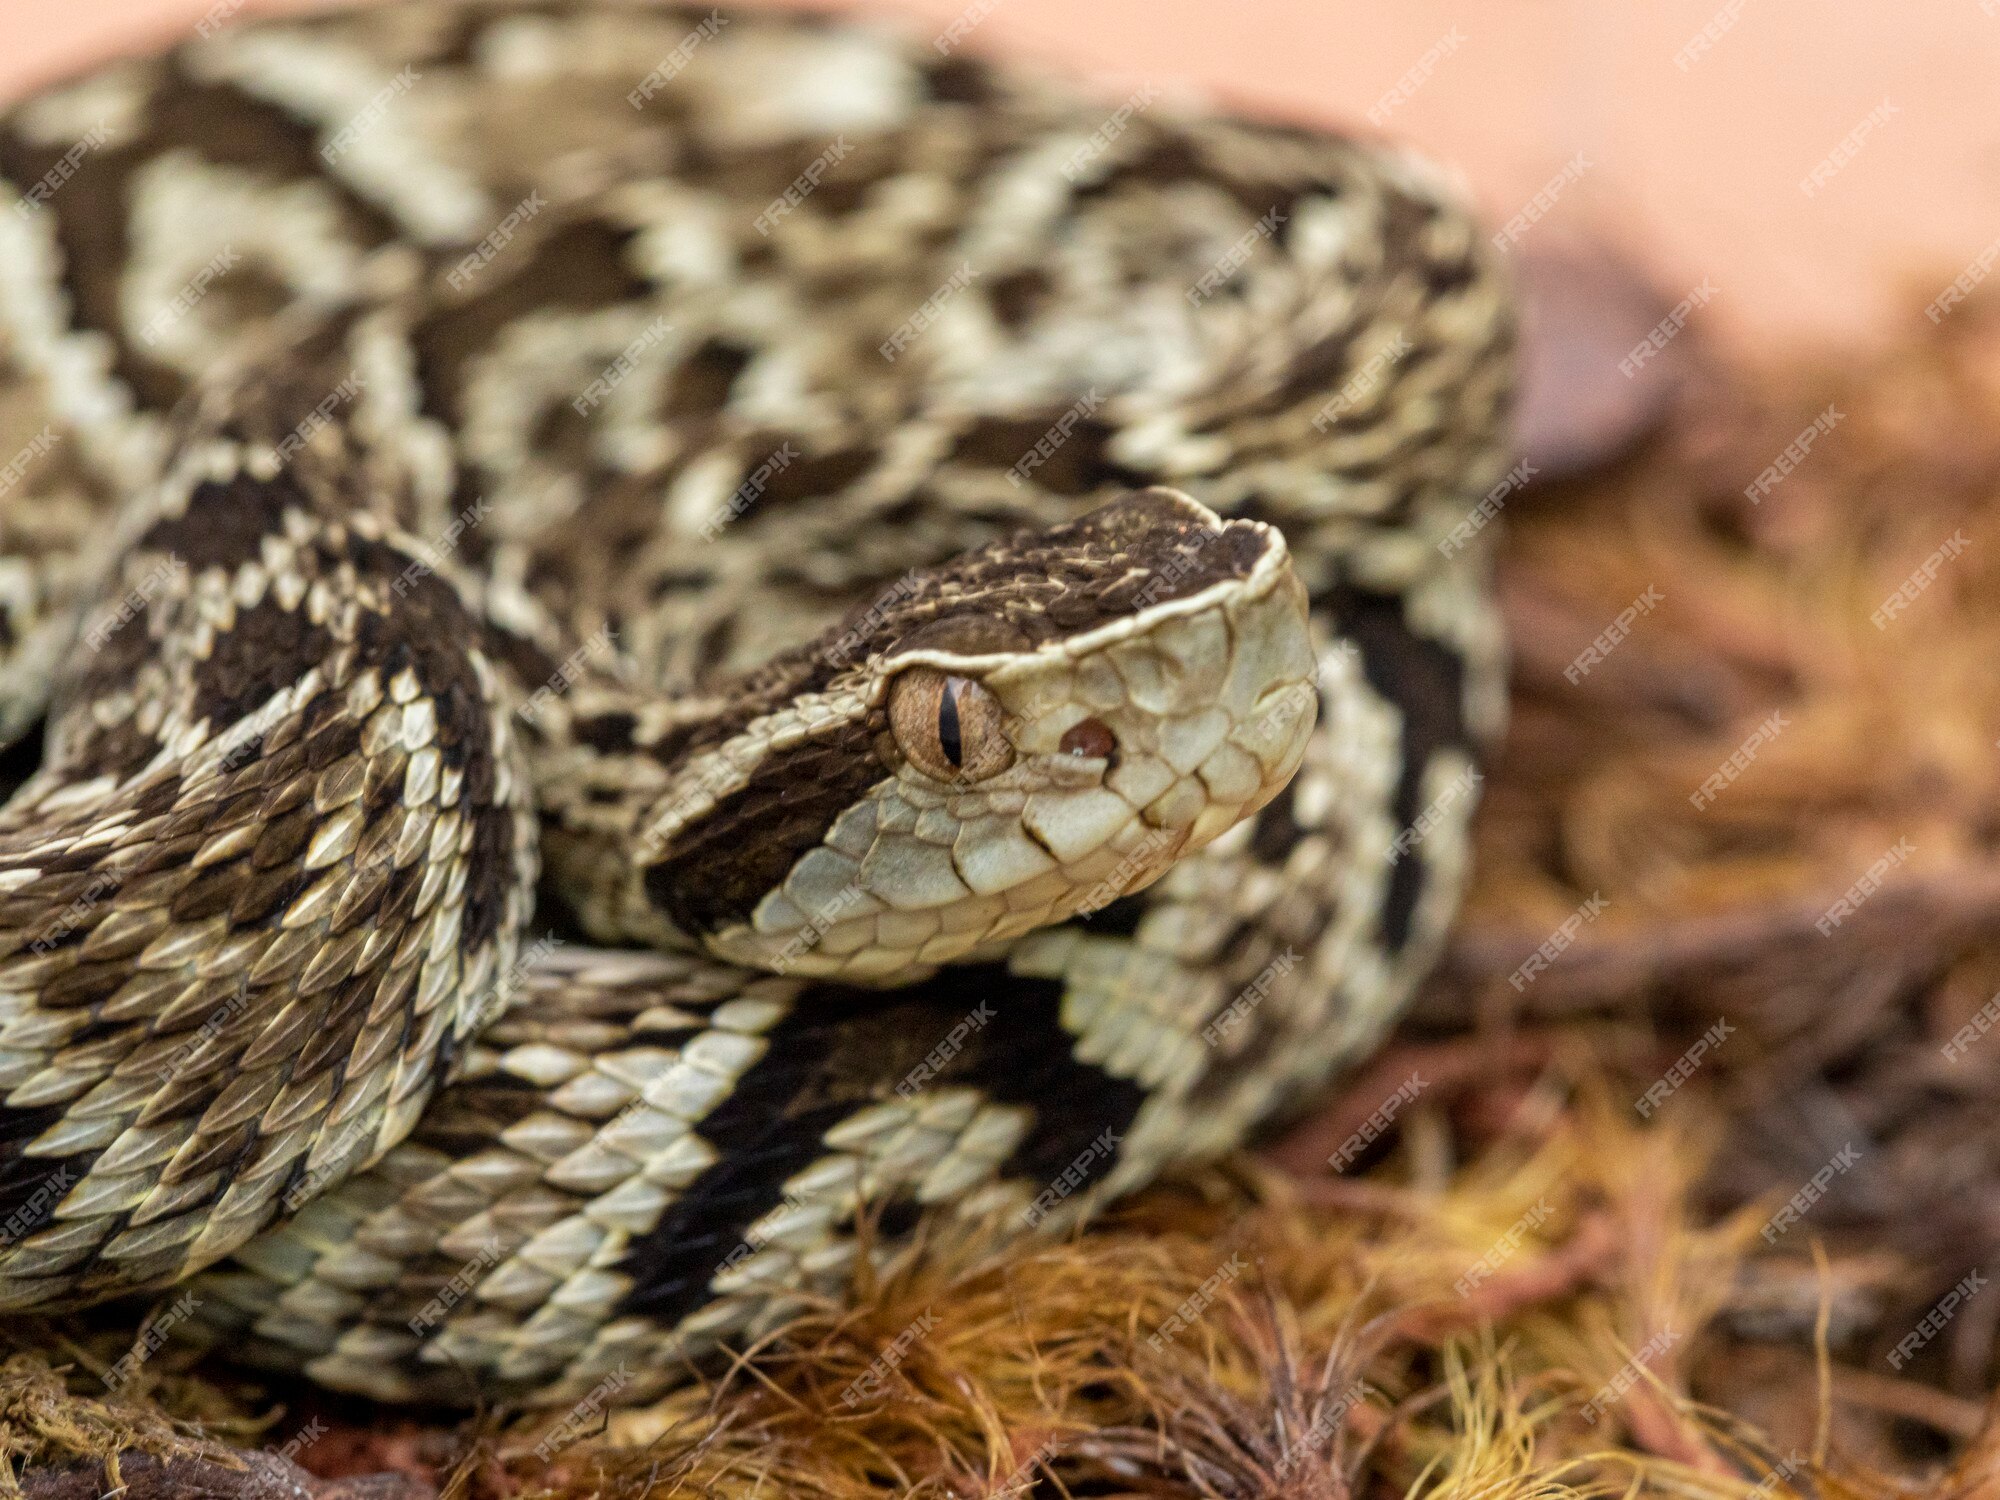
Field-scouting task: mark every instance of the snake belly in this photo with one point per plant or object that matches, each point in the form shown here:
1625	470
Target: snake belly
665	638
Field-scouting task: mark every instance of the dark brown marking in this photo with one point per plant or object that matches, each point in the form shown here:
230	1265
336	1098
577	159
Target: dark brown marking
269	649
581	265
225	520
722	866
838	1050
1426	682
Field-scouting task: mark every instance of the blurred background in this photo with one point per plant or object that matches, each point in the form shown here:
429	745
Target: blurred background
1700	123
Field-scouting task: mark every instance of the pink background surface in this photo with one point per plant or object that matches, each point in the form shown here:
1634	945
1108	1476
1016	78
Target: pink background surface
1695	168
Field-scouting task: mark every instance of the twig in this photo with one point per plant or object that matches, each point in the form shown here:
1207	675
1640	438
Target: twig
1953	1415
1586	1256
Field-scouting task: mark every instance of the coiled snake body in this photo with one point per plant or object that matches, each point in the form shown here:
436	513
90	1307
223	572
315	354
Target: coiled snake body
632	680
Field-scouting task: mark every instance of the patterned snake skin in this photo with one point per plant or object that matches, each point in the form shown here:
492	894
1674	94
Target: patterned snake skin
662	638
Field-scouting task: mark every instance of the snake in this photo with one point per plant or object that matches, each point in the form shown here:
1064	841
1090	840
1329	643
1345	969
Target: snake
646	648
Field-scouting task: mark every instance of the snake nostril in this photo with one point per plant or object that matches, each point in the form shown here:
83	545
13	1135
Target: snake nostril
1090	739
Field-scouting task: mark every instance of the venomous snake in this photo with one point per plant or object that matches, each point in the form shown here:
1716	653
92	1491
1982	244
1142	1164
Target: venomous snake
663	638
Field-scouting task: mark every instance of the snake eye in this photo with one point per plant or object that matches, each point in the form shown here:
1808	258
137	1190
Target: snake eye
949	727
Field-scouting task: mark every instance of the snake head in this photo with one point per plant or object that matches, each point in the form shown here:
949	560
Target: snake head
1027	732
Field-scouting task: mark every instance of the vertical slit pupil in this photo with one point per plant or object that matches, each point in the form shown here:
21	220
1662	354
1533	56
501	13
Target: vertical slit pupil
948	732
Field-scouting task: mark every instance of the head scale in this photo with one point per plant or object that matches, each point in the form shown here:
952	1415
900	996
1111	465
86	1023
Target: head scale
1029	731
